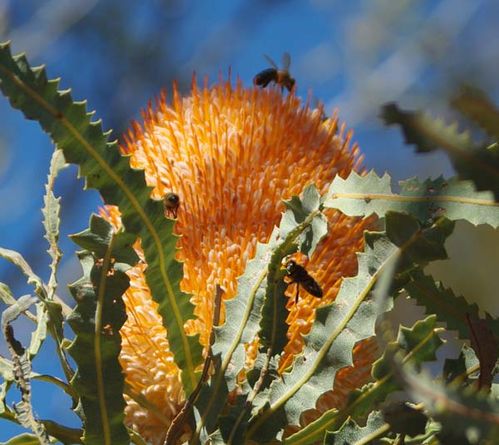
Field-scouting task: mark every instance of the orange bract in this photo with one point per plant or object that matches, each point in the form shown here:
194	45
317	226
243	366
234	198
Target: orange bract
232	154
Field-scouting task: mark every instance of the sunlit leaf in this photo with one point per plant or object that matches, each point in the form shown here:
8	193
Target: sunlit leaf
84	143
352	434
370	194
418	343
96	320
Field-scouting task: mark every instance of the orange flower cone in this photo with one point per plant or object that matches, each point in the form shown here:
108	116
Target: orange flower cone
232	154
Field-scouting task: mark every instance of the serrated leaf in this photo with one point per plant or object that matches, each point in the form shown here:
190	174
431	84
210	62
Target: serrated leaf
465	413
96	320
339	326
421	244
40	333
302	224
328	346
97	238
475	104
352	434
84	143
33	279
300	209
462	368
481	165
55	308
449	308
421	341
6	294
426	132
246	316
51	221
21	368
370	194
418	343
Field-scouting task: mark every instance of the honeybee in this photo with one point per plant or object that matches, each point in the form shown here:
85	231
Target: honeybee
171	202
299	275
279	76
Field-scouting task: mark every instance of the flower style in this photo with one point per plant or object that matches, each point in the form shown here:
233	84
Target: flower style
232	154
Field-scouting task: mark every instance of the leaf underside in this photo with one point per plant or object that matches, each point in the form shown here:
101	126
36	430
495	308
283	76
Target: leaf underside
370	194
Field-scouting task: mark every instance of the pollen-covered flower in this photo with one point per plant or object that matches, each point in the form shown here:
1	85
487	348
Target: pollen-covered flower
232	154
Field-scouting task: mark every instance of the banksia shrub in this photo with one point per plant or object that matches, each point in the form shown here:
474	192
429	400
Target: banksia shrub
231	155
234	278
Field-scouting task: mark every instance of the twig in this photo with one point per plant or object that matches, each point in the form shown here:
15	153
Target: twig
178	422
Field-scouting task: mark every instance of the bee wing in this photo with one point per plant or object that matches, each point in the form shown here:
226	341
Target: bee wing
286	61
269	59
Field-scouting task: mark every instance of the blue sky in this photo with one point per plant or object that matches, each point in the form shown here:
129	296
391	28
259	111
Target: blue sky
355	55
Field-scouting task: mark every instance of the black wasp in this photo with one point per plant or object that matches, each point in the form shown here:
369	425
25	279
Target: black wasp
299	275
279	76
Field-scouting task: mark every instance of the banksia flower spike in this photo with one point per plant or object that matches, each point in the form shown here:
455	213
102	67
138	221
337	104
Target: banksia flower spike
232	154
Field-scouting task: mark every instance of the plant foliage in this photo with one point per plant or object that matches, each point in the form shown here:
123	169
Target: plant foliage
230	399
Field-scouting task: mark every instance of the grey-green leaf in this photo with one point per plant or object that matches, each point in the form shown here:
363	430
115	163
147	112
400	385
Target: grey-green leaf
352	434
370	194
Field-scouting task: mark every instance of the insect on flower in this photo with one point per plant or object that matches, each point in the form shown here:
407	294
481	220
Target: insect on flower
171	202
279	76
299	275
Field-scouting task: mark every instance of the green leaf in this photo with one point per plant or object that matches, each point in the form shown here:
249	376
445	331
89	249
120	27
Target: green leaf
486	347
6	294
259	306
21	368
96	321
22	439
4	386
370	194
50	211
465	413
449	308
421	245
426	132
62	433
6	369
404	419
481	165
421	341
56	308
97	239
350	319
463	369
302	224
21	305
352	434
299	211
328	346
84	143
33	279
418	344
40	333
475	104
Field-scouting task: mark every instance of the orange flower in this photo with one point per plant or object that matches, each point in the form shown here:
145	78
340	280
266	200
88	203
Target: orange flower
232	154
